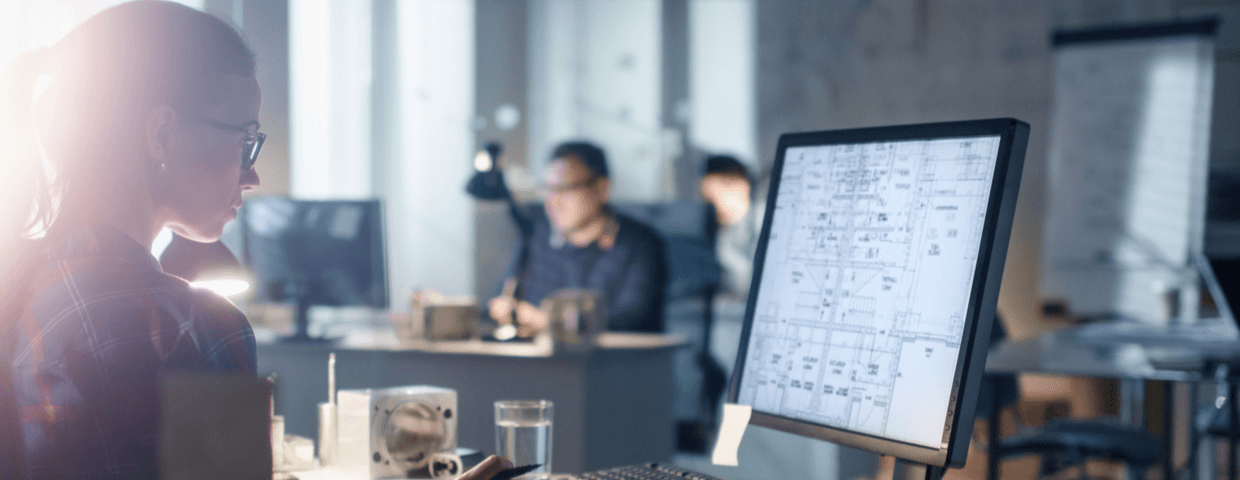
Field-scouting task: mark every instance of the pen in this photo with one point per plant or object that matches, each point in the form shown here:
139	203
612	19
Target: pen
514	472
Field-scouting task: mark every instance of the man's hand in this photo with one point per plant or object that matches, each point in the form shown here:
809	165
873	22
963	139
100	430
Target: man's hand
501	308
530	319
487	469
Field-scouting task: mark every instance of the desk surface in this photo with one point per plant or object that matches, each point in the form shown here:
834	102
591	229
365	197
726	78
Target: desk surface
619	393
329	474
1118	351
385	339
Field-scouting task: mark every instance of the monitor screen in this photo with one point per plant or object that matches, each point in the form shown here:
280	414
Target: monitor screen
872	261
314	251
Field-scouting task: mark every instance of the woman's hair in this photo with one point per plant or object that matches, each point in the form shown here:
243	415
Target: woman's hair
68	145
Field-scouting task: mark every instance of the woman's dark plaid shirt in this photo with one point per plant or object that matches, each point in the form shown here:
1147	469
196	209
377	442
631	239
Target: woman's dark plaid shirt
102	324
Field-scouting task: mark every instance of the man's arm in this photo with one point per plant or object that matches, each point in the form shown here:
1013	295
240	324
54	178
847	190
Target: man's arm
500	307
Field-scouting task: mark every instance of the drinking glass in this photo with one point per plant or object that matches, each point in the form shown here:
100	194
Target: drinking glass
523	434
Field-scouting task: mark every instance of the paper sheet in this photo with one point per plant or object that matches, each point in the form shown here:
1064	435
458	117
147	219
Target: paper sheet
735	419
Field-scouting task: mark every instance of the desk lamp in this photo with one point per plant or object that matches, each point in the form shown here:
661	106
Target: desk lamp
205	265
488	184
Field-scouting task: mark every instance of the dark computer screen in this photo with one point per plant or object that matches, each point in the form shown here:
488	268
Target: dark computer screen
316	252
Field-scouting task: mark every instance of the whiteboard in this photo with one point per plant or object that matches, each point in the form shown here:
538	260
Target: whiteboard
1128	159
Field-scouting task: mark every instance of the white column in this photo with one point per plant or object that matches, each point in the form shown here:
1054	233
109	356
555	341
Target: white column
721	78
595	74
430	217
329	96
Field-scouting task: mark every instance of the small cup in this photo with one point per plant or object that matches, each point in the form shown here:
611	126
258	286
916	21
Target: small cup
523	434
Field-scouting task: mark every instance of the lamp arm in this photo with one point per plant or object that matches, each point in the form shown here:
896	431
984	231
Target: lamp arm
525	224
525	228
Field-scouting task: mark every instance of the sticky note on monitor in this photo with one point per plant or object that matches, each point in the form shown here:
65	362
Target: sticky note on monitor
735	419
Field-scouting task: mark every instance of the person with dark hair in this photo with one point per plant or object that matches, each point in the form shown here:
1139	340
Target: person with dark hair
149	120
728	186
583	244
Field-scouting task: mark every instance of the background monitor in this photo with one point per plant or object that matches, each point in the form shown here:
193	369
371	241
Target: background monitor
1223	283
875	285
315	252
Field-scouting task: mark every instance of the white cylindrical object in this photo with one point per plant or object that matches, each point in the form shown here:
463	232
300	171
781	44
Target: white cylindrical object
277	443
327	434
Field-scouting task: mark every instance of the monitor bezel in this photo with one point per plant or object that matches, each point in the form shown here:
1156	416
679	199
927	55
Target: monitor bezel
983	298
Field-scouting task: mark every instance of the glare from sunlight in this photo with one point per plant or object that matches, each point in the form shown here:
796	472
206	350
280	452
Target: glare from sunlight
223	288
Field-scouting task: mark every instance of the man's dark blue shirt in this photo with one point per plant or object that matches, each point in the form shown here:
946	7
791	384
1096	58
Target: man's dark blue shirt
631	275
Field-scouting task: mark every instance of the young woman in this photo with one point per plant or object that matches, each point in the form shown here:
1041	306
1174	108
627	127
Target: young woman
144	117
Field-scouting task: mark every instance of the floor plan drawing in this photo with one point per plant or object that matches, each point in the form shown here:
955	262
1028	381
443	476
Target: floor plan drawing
865	284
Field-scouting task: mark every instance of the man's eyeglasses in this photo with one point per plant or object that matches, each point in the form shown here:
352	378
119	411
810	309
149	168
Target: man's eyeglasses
550	189
250	146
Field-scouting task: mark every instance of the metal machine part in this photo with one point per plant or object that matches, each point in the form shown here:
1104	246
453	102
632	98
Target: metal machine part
395	432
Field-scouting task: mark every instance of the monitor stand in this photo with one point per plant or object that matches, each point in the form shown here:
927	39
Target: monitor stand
906	470
302	320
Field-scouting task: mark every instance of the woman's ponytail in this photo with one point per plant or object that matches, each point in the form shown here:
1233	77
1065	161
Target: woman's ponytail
22	174
25	201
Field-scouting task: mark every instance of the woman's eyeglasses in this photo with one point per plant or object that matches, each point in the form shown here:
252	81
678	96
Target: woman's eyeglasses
250	146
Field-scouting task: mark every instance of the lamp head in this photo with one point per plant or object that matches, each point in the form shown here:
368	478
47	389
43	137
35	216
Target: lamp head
494	149
488	181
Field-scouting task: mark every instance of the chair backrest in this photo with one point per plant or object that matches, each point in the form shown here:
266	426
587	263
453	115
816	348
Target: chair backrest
688	229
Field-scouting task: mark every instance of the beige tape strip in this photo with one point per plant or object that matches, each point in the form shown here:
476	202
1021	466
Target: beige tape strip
735	419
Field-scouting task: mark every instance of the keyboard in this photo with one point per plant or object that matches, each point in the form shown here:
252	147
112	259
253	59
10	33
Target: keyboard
646	471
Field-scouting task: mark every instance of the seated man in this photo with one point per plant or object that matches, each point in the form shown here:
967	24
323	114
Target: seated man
583	244
727	185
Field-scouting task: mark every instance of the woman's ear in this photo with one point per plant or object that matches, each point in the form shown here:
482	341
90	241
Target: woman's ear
161	135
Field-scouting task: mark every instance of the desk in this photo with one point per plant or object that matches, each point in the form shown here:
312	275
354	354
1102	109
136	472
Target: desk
613	404
1133	356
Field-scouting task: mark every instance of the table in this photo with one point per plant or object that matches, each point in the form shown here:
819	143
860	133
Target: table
613	403
1130	353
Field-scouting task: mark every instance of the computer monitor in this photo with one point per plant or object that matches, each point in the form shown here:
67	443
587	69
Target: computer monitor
314	252
1221	275
875	285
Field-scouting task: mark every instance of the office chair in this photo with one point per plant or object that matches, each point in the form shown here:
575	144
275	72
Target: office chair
689	229
1062	443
